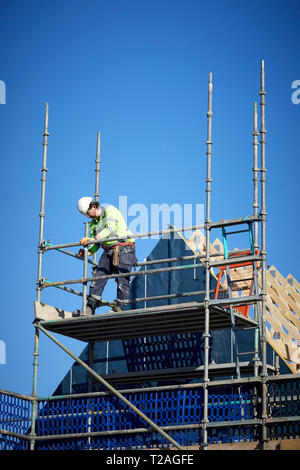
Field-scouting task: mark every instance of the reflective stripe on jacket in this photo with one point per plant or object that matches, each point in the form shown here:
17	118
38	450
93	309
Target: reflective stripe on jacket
109	225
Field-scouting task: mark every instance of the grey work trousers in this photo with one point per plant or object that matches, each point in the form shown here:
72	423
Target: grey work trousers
106	267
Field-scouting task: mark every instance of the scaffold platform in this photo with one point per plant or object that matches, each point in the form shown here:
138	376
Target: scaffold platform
154	321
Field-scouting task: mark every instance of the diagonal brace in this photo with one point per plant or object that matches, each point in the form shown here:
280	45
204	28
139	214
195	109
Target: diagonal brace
110	388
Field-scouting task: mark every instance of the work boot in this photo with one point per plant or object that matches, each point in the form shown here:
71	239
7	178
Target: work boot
117	308
88	310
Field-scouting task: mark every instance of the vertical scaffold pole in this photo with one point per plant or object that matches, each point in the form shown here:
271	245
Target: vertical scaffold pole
42	207
255	134
207	226
96	198
255	175
40	259
97	169
263	253
85	269
97	178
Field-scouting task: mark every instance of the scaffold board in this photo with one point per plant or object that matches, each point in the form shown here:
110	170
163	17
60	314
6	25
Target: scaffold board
154	321
46	312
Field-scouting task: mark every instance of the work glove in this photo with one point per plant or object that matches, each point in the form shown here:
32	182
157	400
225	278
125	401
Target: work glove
81	253
85	240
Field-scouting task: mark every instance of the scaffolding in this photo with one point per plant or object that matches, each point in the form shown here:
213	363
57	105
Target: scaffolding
214	312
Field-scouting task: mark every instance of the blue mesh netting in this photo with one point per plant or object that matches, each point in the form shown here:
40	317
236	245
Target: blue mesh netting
15	416
172	407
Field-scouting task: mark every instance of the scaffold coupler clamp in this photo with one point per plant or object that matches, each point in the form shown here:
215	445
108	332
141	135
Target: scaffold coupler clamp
207	225
42	246
41	282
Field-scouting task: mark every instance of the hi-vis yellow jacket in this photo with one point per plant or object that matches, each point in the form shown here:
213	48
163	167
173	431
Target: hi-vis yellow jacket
109	225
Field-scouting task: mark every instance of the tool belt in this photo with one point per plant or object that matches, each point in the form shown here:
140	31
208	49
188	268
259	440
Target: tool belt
116	251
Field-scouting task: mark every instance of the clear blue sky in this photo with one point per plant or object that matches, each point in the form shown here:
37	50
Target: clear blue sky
137	71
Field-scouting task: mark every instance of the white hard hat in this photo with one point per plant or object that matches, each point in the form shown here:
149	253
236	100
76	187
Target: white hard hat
83	204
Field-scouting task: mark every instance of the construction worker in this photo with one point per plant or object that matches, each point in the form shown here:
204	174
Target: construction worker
118	256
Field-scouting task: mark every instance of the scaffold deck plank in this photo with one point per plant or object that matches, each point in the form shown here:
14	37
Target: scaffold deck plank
154	321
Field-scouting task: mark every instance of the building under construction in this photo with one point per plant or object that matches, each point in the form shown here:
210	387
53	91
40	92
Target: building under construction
206	353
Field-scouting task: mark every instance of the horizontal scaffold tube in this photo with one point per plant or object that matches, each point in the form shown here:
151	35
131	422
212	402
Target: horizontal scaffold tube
163	388
25	437
271	379
221	223
116	432
163	260
238	221
121	239
235	260
115	276
142	299
188	258
139	273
